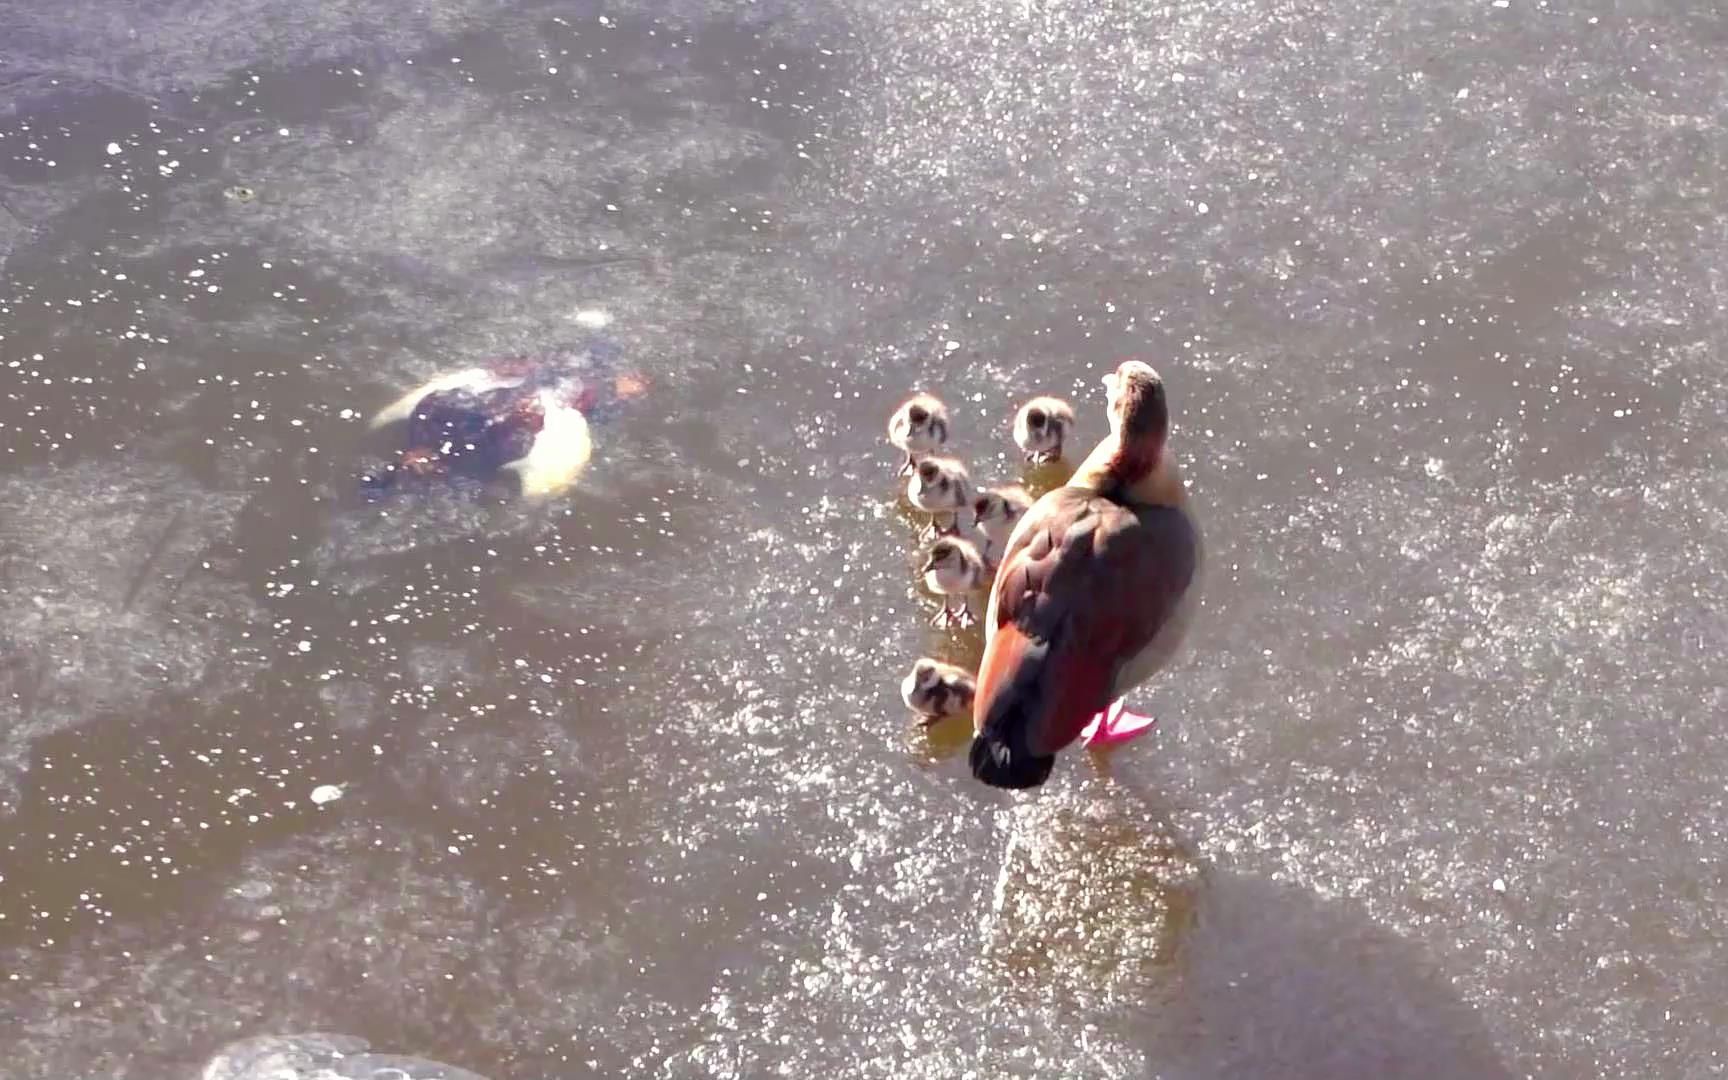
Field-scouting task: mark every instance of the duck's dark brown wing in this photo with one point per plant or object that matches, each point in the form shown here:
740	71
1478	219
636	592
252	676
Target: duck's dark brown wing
1084	587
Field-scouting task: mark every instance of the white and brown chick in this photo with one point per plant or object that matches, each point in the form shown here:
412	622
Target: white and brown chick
953	568
1040	427
935	690
941	485
918	427
997	511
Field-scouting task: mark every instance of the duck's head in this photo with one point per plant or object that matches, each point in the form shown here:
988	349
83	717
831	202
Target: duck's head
921	420
986	507
1134	457
1134	397
992	509
920	423
948	553
926	675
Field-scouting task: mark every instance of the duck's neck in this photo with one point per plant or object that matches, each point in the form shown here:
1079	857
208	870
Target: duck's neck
1141	473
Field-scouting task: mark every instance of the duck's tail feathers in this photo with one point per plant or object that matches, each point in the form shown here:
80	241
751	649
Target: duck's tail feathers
999	764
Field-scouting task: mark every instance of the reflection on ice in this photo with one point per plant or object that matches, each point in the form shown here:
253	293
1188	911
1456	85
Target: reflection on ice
1091	897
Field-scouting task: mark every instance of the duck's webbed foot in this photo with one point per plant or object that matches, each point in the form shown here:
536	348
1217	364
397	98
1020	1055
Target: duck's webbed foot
1115	725
949	618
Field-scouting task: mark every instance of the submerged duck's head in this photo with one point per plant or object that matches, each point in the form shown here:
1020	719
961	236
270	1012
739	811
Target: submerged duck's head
604	397
604	384
411	467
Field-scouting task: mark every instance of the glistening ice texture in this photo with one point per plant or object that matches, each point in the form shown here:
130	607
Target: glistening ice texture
626	787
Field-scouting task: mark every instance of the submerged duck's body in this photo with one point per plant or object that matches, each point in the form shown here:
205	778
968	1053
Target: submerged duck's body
526	416
1096	589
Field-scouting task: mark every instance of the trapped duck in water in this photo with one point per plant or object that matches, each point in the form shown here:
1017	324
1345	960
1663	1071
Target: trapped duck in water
940	486
935	690
1095	592
1040	427
526	416
918	427
953	568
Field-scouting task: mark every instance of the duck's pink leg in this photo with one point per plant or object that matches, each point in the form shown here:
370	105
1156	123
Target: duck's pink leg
1114	726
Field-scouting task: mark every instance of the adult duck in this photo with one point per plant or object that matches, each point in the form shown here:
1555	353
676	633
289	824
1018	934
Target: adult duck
521	415
1097	585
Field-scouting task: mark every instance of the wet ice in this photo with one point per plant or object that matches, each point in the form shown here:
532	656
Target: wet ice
1438	295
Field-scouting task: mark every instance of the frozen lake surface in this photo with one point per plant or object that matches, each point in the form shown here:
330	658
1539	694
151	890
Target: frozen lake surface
619	784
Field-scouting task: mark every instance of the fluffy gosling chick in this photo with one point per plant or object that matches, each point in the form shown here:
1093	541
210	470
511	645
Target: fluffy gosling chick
953	568
940	486
1040	426
918	427
934	690
997	511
